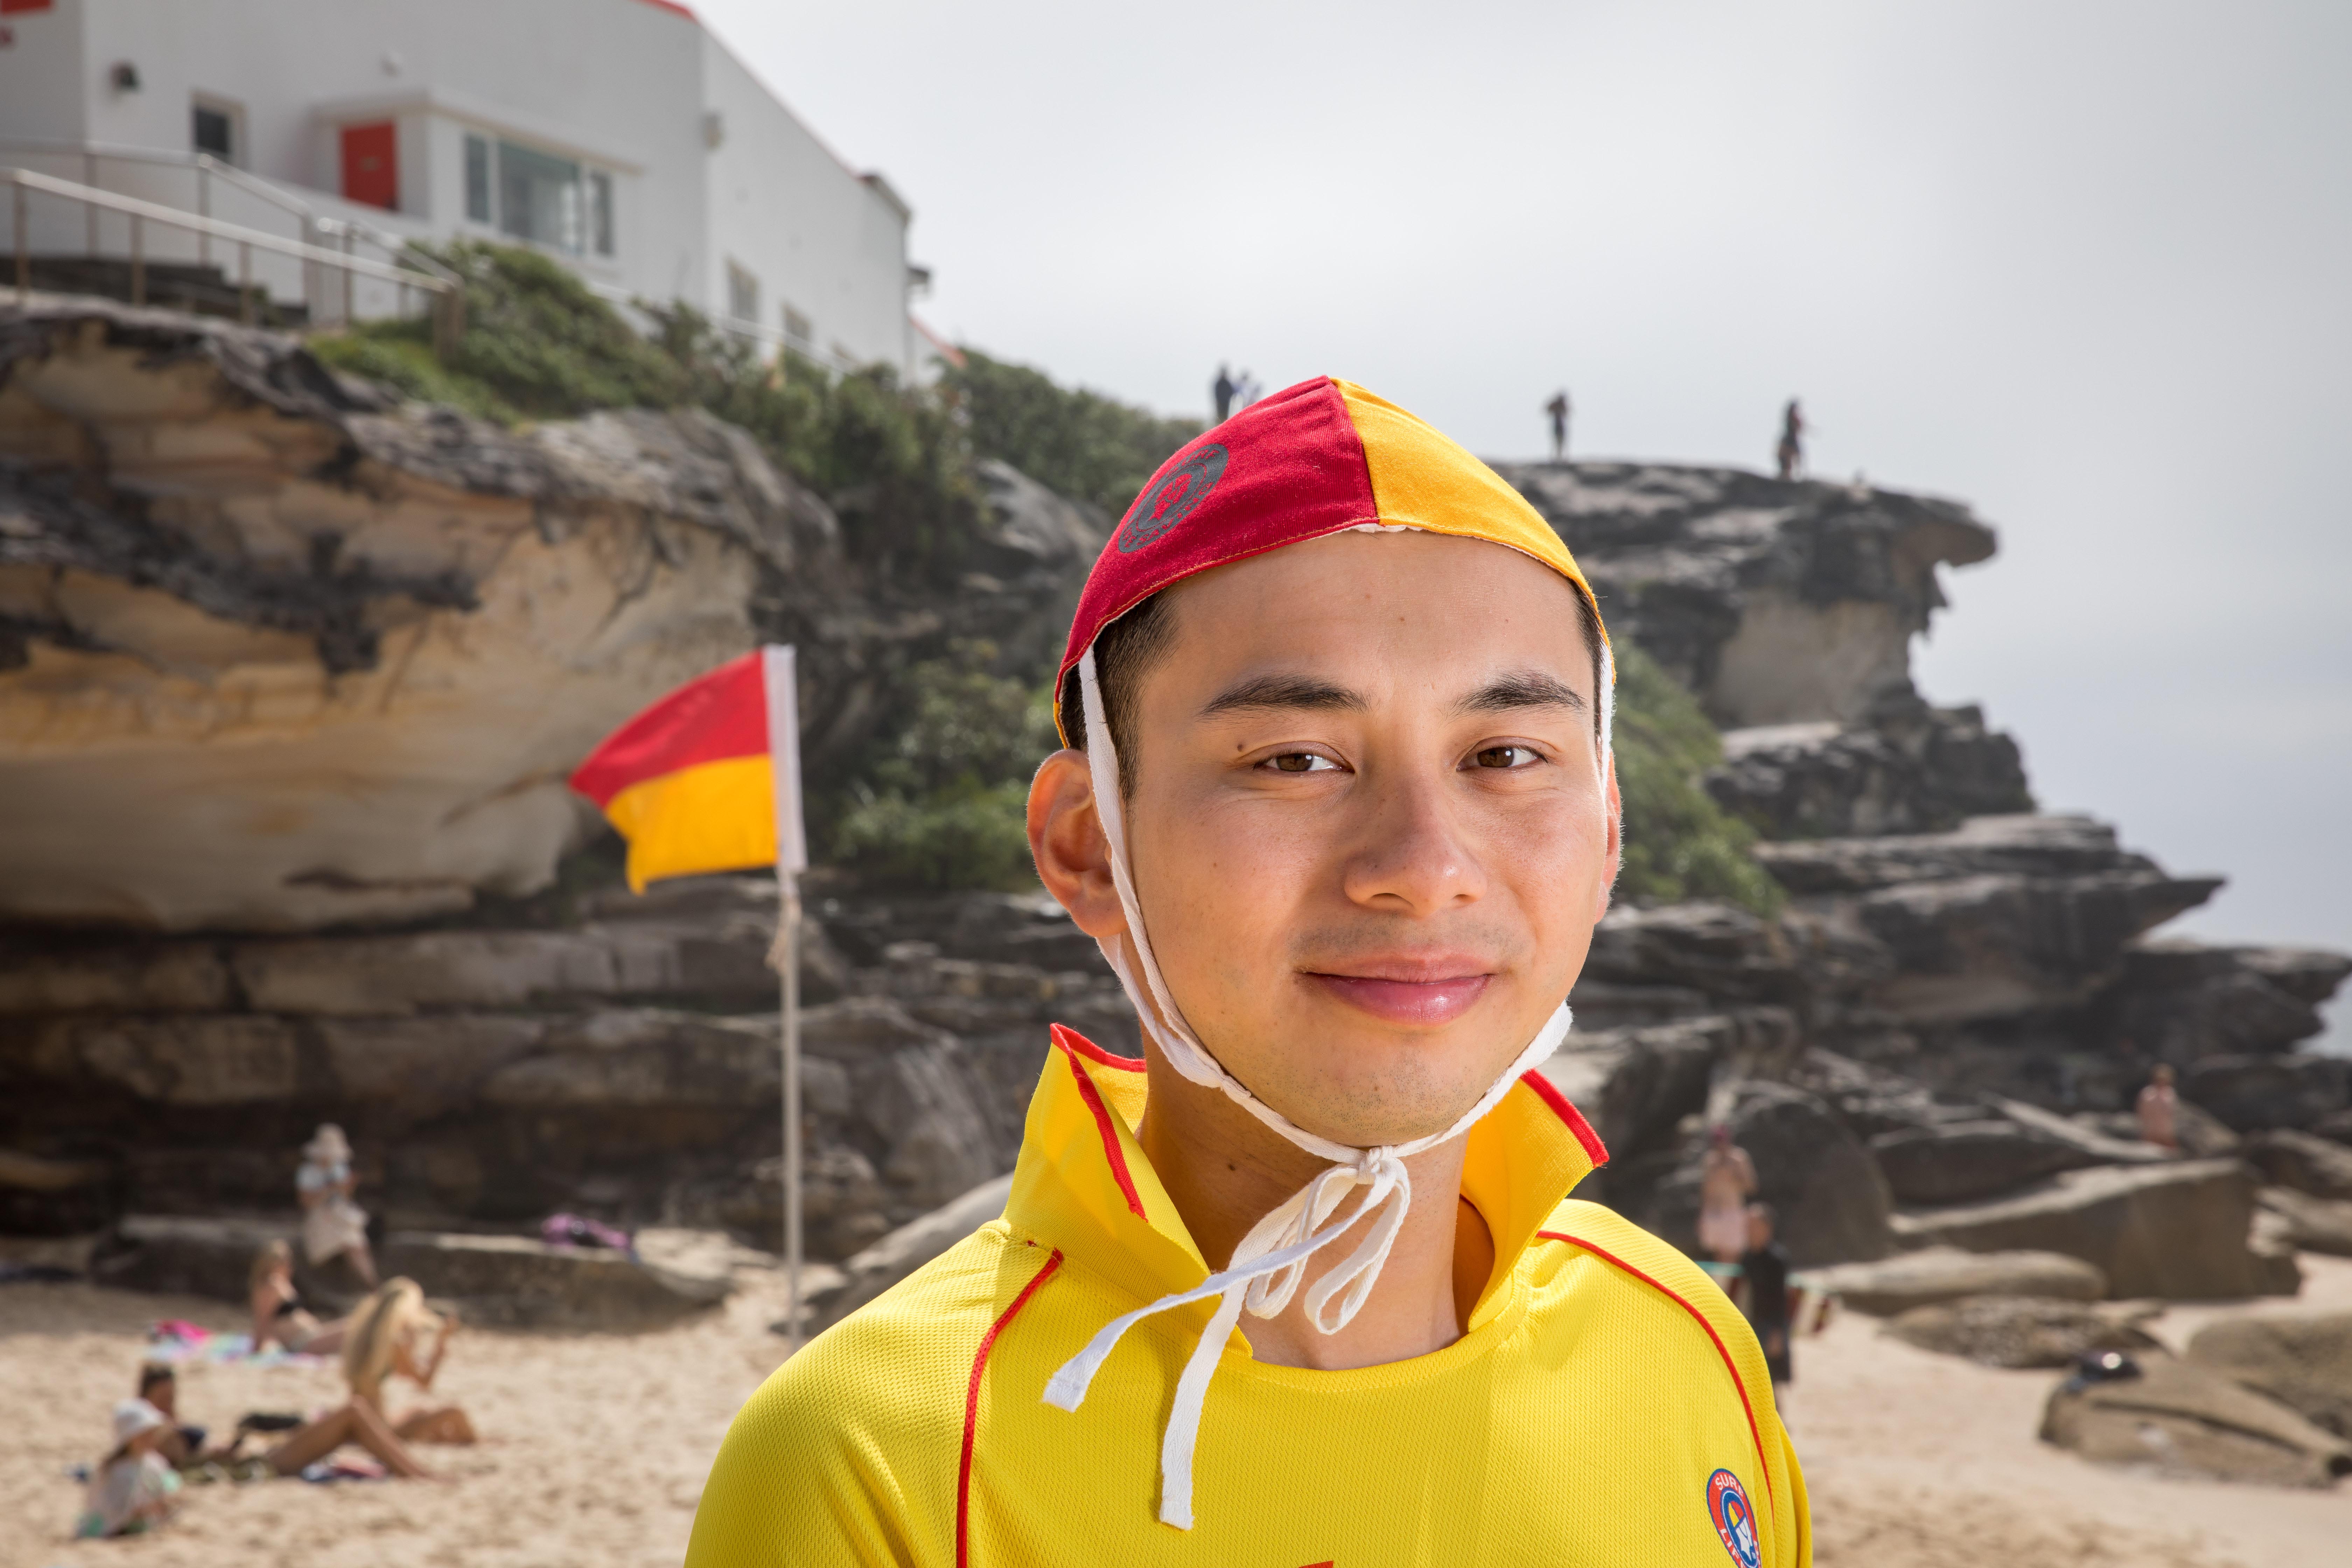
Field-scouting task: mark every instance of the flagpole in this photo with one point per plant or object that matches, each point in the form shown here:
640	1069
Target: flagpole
778	674
789	896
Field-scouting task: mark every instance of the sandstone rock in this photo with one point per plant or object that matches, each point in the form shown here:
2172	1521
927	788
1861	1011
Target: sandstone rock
1634	1085
516	1281
2101	1147
1909	768
2303	1161
2303	1362
385	634
2177	1230
1871	1101
2025	1331
63	976
1958	1162
2179	1001
1937	1274
908	1248
2313	1224
1723	953
1774	602
197	1256
2179	1418
2252	1092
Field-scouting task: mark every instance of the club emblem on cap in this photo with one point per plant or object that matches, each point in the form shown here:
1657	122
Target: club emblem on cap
1735	1521
1169	502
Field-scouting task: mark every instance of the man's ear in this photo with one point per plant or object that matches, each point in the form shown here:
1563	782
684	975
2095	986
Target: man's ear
1065	839
1616	857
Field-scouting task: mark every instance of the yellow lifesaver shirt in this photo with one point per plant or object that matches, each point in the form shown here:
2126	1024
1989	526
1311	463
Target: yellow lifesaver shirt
1606	1406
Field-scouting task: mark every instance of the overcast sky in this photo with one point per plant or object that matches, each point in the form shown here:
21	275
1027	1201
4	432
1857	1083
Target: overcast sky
2086	265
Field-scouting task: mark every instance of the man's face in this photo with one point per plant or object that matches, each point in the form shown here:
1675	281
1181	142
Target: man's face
1370	835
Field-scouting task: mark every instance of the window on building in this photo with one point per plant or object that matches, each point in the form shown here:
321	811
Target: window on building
213	129
742	294
477	178
799	336
541	198
600	212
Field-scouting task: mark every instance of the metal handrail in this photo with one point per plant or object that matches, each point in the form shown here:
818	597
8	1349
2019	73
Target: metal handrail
448	294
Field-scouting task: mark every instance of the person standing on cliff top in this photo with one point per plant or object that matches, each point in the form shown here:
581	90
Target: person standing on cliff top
1792	451
1558	408
1339	804
1221	390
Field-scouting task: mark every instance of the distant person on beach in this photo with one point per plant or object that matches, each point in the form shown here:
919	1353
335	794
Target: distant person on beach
394	1332
180	1444
1558	408
2159	1110
1222	390
332	1225
1764	1268
1727	1180
277	1311
1792	440
134	1488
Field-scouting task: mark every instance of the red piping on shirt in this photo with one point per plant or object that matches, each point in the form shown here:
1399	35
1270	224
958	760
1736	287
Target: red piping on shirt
1069	1040
971	1406
1073	1046
1746	1409
1562	1106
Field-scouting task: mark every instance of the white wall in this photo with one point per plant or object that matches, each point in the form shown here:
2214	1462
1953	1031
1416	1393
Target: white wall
819	238
42	74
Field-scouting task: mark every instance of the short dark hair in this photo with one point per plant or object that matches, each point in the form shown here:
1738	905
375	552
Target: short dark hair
1127	650
153	1373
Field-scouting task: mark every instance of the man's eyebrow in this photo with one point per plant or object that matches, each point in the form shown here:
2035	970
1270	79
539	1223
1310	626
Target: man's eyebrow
1261	693
1524	688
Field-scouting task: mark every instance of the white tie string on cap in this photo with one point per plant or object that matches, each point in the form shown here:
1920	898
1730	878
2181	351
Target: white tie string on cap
1271	1260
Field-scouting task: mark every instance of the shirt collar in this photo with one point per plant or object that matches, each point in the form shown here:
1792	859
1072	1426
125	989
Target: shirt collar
1082	1182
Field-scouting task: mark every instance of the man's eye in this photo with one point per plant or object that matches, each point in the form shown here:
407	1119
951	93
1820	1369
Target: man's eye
1504	757
1299	762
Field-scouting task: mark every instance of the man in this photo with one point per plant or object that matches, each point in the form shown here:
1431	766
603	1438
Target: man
1222	390
1339	807
1557	408
2159	1110
1727	1180
1764	1268
1792	451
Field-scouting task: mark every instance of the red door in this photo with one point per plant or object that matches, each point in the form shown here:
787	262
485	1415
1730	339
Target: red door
371	165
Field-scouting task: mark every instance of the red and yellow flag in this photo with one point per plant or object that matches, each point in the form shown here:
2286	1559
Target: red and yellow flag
707	779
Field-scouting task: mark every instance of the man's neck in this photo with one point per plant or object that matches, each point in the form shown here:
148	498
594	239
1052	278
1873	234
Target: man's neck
1225	1171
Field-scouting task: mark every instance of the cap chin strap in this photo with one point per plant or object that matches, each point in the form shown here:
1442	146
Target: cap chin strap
1271	1260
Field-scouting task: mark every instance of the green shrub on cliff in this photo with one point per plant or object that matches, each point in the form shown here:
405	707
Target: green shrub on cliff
1678	843
1086	445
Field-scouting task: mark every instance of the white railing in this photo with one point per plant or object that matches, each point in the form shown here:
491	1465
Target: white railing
446	297
211	189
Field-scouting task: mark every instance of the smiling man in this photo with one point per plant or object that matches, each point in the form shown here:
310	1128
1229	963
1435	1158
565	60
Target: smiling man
1303	1285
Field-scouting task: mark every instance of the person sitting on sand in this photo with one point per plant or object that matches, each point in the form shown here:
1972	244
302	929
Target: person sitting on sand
355	1421
332	1225
383	1338
277	1311
134	1489
181	1445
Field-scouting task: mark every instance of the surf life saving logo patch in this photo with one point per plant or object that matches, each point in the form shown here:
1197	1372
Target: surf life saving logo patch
1172	500
1735	1521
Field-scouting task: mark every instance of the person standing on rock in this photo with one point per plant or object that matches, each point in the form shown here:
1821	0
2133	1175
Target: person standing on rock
1303	1282
1222	390
1764	1270
1727	1180
1792	451
332	1225
2159	1110
1558	409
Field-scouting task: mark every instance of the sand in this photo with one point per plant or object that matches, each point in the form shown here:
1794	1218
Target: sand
596	1448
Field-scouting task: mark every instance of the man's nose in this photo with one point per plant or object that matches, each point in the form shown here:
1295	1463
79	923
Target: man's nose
1410	855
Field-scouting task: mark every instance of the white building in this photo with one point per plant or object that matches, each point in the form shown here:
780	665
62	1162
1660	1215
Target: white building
618	136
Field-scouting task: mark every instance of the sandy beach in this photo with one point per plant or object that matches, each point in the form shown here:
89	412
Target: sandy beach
595	1449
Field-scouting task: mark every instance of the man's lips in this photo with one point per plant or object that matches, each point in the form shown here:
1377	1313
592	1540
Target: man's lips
1411	992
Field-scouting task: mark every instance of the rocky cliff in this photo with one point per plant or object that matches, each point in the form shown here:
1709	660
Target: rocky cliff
278	654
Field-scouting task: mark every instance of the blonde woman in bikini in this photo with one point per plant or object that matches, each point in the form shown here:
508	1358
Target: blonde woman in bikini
387	1335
